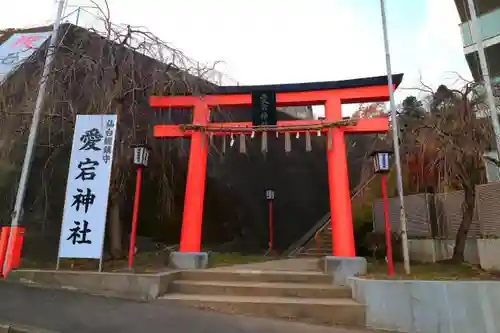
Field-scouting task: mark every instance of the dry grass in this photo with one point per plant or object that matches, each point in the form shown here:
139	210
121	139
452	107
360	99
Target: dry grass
432	271
146	262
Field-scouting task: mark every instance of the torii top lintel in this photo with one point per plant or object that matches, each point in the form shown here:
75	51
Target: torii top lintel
372	89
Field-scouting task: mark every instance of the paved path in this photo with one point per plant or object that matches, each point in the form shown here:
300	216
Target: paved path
66	311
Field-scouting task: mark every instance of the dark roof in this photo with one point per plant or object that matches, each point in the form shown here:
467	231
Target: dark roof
311	86
381	145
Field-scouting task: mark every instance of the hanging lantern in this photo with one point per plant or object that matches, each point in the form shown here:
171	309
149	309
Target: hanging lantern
308	142
243	146
211	139
231	142
223	144
381	160
297	136
288	142
264	142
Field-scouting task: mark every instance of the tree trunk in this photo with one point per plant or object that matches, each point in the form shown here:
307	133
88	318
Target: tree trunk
467	216
115	231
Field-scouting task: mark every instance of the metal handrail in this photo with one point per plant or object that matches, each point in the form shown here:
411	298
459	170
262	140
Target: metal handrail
322	224
307	236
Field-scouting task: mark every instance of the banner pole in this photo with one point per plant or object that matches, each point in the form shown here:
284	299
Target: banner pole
28	157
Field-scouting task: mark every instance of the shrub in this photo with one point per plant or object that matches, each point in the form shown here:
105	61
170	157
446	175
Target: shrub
375	242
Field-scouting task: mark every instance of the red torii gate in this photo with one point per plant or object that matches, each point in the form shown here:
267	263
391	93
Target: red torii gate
331	94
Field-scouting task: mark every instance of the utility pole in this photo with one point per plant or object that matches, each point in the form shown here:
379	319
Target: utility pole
395	138
477	39
28	157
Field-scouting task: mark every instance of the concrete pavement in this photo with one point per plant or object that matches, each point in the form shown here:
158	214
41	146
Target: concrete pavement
66	311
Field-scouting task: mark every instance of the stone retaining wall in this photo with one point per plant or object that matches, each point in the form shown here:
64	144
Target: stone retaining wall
430	306
434	250
481	251
144	287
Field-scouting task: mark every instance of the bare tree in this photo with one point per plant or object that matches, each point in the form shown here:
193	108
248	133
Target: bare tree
454	139
96	72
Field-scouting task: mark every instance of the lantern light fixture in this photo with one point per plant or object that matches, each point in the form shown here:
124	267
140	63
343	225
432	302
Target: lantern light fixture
141	155
269	194
381	160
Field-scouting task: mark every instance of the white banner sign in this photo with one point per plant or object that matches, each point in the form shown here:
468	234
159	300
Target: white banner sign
87	189
18	48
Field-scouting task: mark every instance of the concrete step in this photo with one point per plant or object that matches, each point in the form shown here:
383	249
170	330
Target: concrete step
312	255
313	310
283	265
318	254
321	246
326	251
256	276
297	290
325	240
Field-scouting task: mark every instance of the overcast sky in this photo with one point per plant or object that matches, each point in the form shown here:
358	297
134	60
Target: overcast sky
283	41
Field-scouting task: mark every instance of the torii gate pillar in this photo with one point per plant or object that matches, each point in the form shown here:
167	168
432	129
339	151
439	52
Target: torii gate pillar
195	184
338	181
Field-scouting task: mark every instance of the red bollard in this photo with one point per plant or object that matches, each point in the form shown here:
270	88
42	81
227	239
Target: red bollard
4	240
10	254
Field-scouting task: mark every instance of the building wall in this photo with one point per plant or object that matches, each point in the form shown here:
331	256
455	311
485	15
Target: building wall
488	12
482	7
440	215
489	24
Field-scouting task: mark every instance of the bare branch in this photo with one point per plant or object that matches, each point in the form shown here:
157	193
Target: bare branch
109	69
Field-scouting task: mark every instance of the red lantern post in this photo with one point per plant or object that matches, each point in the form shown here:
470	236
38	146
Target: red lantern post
141	155
270	198
381	166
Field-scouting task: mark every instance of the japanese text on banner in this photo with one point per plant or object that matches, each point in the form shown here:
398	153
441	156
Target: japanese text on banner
87	190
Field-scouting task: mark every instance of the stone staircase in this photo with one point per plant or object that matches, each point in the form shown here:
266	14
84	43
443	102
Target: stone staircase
302	296
320	245
317	242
